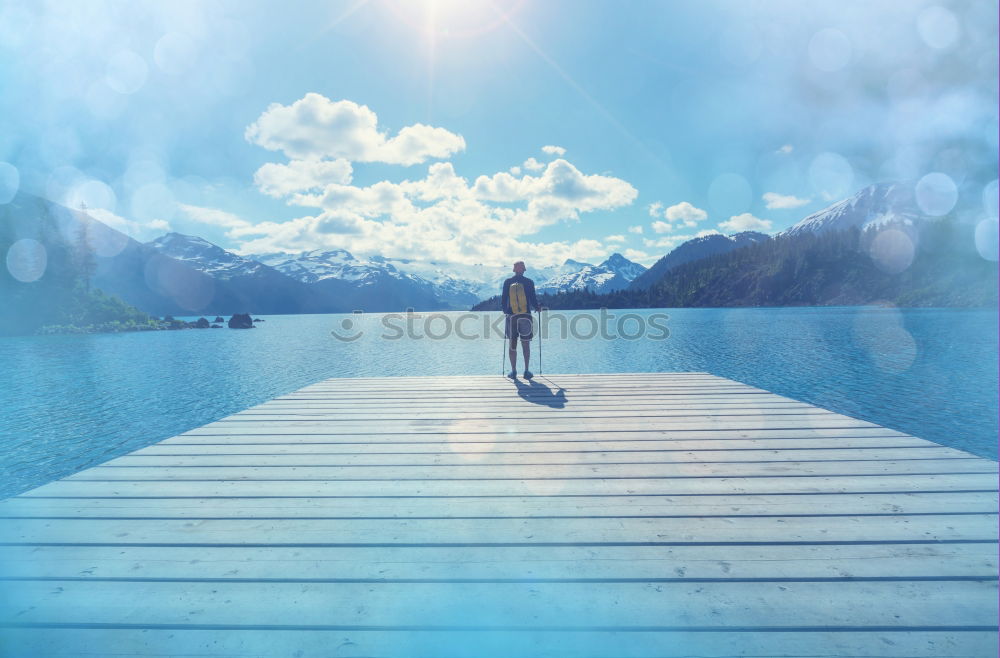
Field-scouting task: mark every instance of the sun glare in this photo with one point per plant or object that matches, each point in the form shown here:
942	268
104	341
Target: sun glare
459	19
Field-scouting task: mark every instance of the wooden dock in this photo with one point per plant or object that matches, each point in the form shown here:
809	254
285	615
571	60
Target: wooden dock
633	515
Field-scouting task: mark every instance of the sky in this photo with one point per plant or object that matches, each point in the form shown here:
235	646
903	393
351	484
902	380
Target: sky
483	131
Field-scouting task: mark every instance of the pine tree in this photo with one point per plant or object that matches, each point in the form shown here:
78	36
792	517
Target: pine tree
84	256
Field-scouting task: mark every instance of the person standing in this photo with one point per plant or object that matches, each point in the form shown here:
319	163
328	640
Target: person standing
517	301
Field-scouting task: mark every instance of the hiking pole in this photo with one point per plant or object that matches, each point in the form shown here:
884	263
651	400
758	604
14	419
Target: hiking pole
503	346
539	341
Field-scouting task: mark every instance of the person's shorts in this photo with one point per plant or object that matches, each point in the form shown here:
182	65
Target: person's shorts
519	326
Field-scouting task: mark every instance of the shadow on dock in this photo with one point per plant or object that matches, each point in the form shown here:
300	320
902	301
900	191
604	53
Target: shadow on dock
536	392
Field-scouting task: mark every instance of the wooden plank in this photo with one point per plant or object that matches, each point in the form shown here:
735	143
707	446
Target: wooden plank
376	434
788	485
984	502
455	458
521	605
541	445
569	471
733	446
507	563
936	643
507	425
699	530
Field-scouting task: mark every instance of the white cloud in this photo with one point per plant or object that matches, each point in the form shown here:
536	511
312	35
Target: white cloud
554	150
141	231
745	222
442	215
774	200
784	150
681	214
684	212
315	127
532	164
635	229
615	238
213	216
278	180
638	256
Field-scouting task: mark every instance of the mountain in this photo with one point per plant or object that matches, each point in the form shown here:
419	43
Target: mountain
872	206
615	273
830	268
174	275
692	250
399	283
49	260
205	256
374	284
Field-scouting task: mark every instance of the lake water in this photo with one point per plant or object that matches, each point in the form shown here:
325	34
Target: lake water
70	402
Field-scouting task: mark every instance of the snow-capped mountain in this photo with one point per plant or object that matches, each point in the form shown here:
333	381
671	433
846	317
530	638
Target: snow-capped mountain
204	256
456	285
615	273
695	249
428	281
874	205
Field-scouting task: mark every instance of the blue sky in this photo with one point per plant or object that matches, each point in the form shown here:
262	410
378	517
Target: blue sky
416	128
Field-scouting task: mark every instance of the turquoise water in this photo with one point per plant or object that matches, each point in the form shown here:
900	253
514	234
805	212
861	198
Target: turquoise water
70	402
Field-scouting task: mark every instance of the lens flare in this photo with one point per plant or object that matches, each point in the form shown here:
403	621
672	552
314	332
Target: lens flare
892	250
831	176
988	239
938	27
27	260
936	194
10	182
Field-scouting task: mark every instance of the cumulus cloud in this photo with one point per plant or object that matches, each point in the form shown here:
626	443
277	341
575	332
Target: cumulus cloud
635	229
532	164
615	238
441	215
680	214
278	180
684	212
784	150
638	256
774	200
745	222
554	150
314	127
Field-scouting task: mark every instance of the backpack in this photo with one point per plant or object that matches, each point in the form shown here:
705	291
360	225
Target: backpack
518	299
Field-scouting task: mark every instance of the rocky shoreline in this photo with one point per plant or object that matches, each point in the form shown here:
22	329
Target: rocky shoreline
167	323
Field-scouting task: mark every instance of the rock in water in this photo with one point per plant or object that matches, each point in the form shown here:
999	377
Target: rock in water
218	318
241	321
201	323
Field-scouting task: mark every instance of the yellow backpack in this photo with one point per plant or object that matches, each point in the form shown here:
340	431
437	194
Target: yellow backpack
518	299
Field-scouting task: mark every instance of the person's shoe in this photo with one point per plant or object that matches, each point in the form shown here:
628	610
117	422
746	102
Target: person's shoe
512	374
527	374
